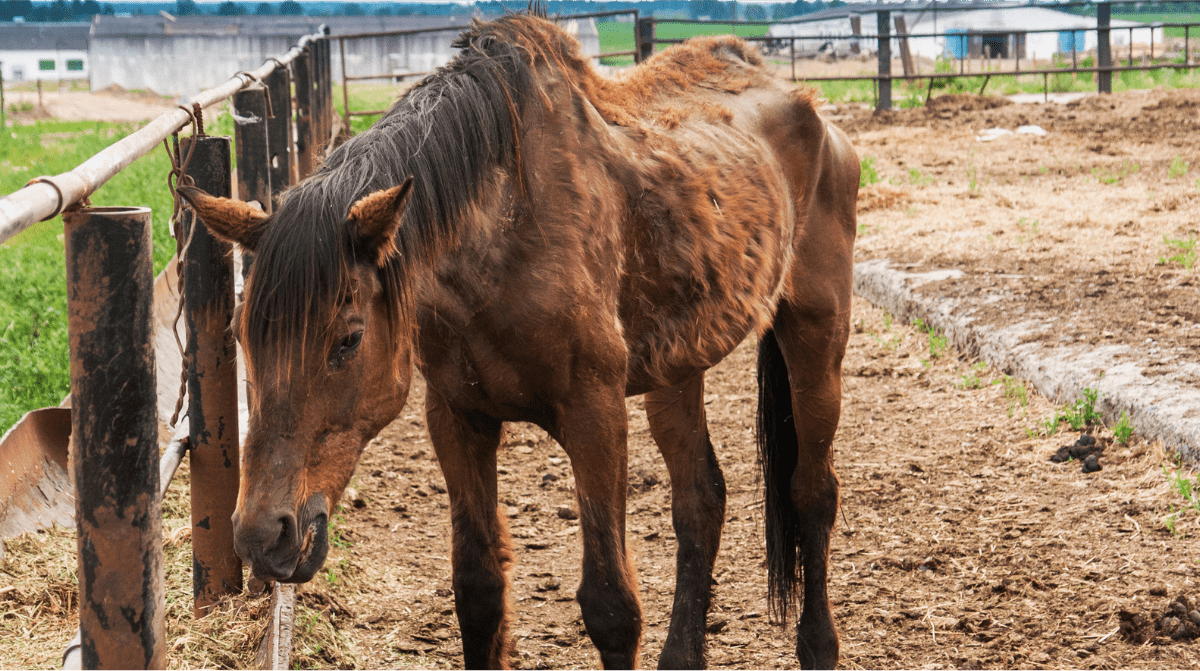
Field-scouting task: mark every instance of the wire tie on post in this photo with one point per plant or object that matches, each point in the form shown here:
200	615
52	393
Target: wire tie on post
266	94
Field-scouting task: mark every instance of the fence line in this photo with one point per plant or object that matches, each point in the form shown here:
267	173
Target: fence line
884	36
49	196
119	477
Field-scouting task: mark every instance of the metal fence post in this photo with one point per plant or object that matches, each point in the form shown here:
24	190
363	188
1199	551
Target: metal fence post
212	387
279	131
645	38
302	73
114	438
1104	46
883	21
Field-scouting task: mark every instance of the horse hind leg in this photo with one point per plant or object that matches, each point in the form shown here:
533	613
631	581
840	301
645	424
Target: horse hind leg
799	406
679	427
480	553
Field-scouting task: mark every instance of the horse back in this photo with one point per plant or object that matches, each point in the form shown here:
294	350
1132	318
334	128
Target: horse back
734	179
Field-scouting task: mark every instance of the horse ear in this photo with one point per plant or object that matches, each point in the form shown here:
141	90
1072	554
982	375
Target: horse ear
376	219
228	219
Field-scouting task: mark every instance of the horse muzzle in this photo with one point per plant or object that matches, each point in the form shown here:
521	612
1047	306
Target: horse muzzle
283	545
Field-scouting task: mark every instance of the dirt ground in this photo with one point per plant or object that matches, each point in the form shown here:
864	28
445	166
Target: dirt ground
110	104
1074	228
959	544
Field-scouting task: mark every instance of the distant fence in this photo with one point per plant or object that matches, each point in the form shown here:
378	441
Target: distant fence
975	53
423	69
119	477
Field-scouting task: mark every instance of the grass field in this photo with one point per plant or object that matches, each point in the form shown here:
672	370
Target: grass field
1164	17
33	297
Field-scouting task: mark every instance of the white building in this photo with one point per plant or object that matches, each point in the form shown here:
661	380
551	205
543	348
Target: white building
1002	32
46	51
187	54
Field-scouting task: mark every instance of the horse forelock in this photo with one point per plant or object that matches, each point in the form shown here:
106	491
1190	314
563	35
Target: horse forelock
450	132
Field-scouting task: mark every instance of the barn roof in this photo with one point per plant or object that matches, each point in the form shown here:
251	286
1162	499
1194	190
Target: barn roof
263	26
42	36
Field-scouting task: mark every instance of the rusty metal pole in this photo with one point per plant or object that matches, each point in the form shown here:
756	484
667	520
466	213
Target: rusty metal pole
884	19
1104	47
345	90
302	74
645	37
317	103
251	139
212	386
325	86
114	439
279	131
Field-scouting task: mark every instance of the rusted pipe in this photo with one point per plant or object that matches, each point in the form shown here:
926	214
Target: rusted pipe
279	132
302	75
253	146
45	199
114	437
212	385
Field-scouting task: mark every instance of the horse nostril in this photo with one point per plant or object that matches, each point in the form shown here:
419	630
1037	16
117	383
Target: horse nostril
286	535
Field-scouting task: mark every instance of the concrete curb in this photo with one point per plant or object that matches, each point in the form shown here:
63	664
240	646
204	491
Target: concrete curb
1162	407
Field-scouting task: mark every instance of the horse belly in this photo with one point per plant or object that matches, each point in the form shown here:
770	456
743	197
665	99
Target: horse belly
709	246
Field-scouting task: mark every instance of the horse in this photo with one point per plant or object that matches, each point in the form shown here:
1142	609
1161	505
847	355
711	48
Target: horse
542	242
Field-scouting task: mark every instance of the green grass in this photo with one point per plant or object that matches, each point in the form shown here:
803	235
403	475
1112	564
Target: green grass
1123	429
617	36
1184	251
973	378
939	343
1178	168
1015	393
1115	174
1164	17
868	173
34	369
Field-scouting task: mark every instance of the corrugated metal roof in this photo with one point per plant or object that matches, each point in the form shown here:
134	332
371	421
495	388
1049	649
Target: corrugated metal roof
264	26
37	36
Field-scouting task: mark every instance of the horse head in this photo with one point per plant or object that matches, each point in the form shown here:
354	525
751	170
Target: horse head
327	361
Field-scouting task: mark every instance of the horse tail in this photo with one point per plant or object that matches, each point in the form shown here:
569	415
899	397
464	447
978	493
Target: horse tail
778	450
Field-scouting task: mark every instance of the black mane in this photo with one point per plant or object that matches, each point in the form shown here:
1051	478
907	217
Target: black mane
450	132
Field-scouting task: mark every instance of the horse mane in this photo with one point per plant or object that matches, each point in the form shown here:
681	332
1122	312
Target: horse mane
451	132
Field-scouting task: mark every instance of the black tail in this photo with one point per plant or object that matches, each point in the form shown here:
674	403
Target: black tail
778	449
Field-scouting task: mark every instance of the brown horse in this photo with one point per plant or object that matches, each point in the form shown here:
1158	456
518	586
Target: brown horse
544	242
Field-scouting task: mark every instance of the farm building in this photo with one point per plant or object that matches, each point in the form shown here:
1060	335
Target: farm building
46	51
1001	32
185	55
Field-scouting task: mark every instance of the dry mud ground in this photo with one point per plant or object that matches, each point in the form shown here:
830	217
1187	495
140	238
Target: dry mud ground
959	544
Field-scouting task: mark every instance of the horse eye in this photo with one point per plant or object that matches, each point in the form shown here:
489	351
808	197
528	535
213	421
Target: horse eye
350	342
345	349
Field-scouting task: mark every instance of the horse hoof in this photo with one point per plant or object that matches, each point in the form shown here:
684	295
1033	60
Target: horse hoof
670	660
817	652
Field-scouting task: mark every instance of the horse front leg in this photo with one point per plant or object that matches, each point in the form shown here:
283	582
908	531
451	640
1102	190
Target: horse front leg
679	427
592	427
481	552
